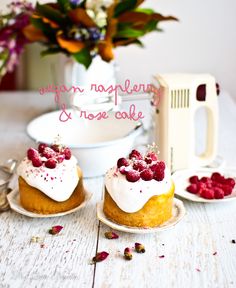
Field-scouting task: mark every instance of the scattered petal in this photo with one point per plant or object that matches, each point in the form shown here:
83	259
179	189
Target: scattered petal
233	241
111	235
100	256
139	248
198	270
42	245
128	253
215	253
55	230
162	256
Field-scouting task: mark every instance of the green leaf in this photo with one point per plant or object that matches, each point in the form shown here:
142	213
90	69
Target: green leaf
50	51
50	13
64	5
129	33
145	10
83	57
38	23
124	6
151	26
138	42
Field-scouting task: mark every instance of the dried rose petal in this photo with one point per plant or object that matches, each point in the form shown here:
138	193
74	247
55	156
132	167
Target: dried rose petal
233	241
111	235
100	256
198	270
162	256
128	253
139	248
55	230
215	253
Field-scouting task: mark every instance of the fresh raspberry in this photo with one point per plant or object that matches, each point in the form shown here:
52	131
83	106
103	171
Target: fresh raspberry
36	162
159	175
227	189
135	154
192	188
48	152
41	147
132	176
194	179
139	165
32	153
122	162
216	176
209	185
201	185
67	153
218	193
148	160
221	179
51	163
60	158
206	179
230	182
159	166
147	175
123	170
55	147
207	193
152	155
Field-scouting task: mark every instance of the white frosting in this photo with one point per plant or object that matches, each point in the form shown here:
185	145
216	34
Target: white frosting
132	196
58	183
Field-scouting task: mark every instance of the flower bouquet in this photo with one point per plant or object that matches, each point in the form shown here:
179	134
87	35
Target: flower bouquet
81	29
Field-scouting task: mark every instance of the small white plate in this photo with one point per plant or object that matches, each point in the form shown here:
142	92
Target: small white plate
181	180
14	202
178	213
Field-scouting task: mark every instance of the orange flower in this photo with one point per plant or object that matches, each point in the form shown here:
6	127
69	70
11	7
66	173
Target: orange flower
33	34
72	46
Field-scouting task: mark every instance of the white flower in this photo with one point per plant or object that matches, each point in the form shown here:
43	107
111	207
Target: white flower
97	5
100	18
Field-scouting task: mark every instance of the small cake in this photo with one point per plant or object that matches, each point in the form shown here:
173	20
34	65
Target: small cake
139	191
50	180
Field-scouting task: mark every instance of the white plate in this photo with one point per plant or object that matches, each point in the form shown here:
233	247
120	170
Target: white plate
181	180
178	213
14	202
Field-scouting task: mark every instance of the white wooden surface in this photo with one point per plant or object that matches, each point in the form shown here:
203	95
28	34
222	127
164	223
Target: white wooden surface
64	261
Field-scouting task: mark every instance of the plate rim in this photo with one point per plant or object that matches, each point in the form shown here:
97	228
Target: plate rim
188	196
15	192
135	230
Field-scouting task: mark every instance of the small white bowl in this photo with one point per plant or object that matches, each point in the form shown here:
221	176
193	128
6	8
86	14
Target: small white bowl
97	144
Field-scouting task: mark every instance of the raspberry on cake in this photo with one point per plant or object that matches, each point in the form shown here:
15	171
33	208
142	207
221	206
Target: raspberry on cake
139	191
50	180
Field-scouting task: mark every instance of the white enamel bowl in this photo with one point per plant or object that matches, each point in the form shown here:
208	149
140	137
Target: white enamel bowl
97	144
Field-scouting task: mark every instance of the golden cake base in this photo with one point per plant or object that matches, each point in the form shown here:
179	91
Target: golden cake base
36	201
155	212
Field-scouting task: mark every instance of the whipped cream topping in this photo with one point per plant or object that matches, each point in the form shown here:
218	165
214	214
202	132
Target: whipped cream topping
58	183
132	196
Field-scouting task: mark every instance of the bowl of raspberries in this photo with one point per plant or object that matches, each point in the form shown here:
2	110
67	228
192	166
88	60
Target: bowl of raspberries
205	185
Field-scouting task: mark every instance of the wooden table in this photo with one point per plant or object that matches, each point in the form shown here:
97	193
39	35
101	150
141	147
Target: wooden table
198	251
